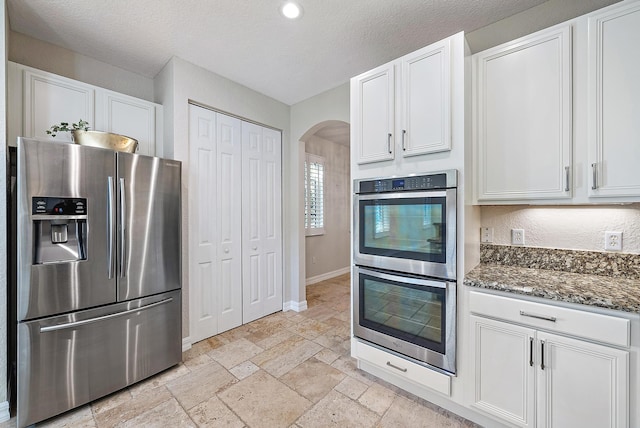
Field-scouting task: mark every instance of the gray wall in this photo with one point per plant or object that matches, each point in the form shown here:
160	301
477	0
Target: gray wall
55	59
331	251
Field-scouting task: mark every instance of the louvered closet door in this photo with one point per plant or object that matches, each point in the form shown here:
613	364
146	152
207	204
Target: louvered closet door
261	221
215	269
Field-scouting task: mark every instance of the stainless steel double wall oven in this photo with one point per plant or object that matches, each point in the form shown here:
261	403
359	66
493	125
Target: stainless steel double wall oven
405	274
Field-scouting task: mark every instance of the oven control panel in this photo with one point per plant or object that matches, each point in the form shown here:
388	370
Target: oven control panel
399	184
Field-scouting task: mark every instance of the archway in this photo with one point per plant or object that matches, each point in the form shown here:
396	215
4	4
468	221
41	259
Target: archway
327	254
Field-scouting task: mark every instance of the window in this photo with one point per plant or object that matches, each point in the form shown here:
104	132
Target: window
314	195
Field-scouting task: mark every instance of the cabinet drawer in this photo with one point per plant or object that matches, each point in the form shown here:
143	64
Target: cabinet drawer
404	368
588	325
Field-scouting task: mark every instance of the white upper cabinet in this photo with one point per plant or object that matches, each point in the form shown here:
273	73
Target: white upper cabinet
522	120
613	100
133	117
426	100
38	99
51	99
403	106
373	114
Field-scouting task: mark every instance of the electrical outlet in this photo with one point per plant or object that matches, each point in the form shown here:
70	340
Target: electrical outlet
486	234
517	236
613	241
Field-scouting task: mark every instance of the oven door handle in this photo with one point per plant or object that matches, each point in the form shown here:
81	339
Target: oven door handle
396	278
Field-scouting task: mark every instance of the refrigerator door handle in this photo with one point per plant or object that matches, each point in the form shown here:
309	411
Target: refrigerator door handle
123	229
110	221
102	318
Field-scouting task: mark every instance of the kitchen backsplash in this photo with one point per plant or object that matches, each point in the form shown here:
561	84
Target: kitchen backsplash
622	265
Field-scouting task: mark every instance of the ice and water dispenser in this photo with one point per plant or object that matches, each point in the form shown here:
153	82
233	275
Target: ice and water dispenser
59	229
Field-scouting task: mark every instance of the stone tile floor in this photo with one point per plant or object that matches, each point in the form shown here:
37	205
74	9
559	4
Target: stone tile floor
285	370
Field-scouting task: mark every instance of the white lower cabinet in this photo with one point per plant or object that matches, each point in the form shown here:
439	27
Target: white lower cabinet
528	377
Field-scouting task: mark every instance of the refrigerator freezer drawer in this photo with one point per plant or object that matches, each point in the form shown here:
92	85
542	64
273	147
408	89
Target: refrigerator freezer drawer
69	360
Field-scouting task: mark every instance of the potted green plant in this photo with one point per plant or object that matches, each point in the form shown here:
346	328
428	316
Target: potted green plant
82	125
80	134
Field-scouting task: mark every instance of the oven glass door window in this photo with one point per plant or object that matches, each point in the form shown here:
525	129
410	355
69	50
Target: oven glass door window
409	312
410	228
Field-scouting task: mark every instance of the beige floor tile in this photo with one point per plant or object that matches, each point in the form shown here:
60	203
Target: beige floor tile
196	349
404	412
200	385
244	369
284	357
198	362
275	339
130	409
78	418
111	401
215	342
214	413
166	414
319	313
313	379
351	387
347	365
160	379
309	328
233	353
377	398
262	401
327	356
336	410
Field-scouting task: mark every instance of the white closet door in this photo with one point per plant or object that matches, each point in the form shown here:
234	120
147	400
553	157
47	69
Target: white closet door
203	319
261	222
228	222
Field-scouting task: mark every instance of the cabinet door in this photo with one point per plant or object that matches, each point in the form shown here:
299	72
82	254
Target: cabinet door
523	118
50	99
261	222
504	370
372	114
129	116
582	384
426	100
614	90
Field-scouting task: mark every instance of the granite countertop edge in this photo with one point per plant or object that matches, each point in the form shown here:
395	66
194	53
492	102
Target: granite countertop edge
621	294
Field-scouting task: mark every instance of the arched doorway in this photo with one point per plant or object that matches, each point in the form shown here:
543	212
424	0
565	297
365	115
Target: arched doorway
327	251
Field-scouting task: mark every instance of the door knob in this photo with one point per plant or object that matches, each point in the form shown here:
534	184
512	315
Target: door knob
255	248
226	250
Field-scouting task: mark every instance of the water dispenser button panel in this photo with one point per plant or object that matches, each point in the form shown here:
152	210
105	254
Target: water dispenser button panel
59	206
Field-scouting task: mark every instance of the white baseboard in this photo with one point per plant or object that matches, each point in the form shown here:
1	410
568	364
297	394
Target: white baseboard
294	306
4	411
186	343
328	275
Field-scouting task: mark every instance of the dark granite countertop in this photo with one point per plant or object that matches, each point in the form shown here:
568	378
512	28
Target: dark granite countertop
603	280
620	294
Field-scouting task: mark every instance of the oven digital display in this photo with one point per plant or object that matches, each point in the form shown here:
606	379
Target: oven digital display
398	184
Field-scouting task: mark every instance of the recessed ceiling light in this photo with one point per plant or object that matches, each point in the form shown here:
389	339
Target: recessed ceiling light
291	10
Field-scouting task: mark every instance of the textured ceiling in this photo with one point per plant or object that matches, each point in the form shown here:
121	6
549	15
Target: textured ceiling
248	41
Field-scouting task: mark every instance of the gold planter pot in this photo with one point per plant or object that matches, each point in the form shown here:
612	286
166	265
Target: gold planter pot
105	140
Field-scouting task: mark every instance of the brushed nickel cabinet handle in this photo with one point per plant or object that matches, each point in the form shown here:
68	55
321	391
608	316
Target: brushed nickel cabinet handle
540	317
389	142
567	178
594	170
396	367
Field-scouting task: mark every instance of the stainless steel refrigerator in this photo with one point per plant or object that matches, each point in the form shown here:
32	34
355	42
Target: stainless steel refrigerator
97	292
